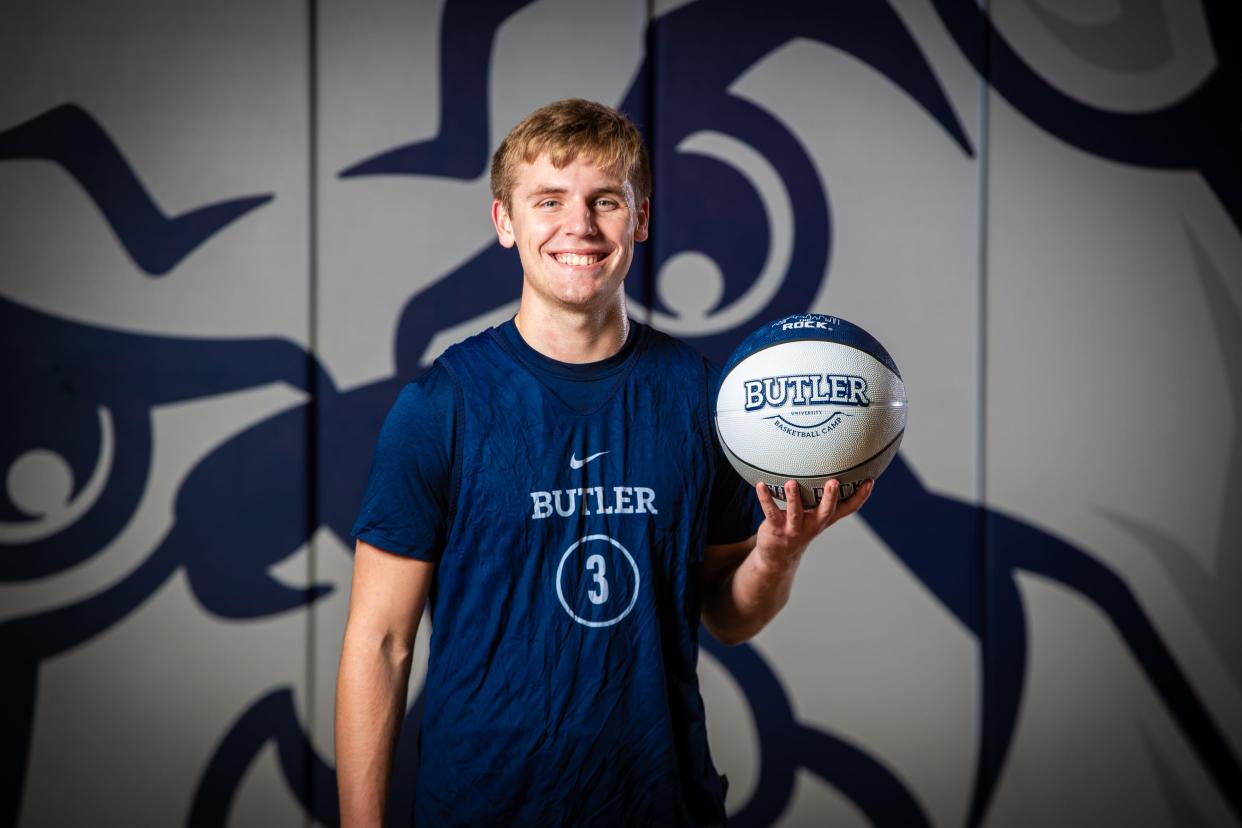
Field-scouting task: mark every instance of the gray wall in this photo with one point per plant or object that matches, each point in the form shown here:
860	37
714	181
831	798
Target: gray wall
231	231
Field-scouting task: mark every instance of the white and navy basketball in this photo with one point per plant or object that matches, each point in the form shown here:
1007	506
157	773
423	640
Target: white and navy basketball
810	398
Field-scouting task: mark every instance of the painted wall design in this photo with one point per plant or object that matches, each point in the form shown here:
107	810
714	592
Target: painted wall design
231	232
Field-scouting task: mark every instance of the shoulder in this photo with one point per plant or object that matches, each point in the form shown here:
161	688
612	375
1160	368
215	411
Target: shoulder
433	389
422	414
672	351
684	373
469	348
686	358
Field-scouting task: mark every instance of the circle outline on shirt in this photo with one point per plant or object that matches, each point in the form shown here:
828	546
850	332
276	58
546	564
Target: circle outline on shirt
561	567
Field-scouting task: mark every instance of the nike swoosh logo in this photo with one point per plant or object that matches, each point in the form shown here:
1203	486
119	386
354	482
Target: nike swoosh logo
575	463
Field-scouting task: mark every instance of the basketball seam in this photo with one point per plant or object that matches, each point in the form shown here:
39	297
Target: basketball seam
887	446
732	365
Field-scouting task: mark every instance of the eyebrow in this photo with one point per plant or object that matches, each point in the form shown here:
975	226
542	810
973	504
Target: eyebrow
548	189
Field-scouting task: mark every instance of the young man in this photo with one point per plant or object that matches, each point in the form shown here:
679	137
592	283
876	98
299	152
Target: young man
554	485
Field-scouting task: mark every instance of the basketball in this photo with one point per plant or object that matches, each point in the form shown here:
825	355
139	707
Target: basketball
810	398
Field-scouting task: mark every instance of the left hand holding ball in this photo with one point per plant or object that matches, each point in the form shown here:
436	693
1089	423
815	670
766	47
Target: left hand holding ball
784	535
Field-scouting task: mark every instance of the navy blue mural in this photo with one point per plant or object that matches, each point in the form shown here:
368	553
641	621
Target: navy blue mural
87	392
68	136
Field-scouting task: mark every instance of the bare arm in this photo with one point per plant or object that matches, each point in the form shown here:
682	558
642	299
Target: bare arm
746	584
385	606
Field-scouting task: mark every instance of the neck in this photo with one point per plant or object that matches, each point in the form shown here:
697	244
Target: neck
573	335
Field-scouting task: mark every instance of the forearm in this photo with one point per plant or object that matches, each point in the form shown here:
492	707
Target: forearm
746	584
370	707
748	593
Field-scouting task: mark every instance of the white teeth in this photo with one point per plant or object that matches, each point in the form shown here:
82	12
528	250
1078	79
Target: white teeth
576	260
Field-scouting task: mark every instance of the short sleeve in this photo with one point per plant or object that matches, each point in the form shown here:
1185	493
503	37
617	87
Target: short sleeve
734	513
406	506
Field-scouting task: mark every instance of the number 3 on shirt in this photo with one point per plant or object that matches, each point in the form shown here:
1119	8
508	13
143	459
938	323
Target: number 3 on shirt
598	594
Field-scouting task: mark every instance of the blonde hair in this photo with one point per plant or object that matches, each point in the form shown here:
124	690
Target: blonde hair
568	130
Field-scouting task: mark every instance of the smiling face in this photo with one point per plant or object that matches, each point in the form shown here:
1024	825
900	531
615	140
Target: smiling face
574	229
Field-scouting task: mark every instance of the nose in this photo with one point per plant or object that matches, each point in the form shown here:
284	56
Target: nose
581	219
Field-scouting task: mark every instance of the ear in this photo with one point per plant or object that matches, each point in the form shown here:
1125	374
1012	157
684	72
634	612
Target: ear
503	224
644	219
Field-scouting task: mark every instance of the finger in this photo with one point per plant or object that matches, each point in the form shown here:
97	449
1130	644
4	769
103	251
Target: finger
855	501
793	506
869	487
770	510
828	504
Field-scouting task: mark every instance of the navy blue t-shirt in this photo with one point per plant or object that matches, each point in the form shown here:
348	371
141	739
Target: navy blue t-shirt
411	487
567	507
